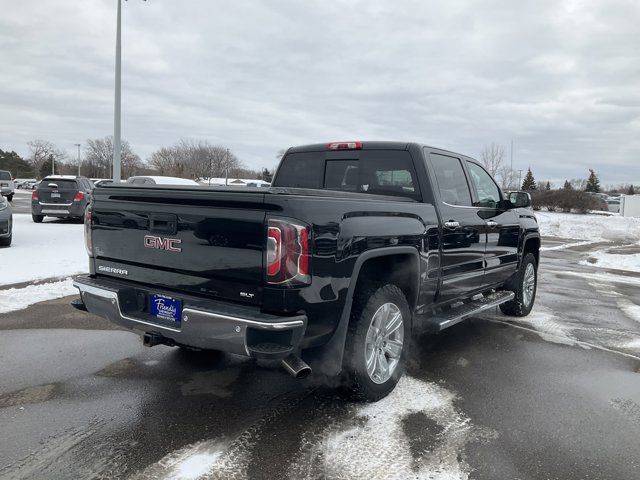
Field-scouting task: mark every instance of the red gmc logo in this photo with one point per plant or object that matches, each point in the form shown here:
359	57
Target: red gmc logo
159	243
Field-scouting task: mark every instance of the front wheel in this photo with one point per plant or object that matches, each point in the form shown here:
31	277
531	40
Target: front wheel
377	339
525	285
10	197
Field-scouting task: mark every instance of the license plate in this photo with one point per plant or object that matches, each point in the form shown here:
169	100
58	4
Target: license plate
166	308
55	195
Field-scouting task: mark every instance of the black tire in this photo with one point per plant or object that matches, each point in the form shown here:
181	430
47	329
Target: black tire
518	307
5	241
10	197
367	302
37	218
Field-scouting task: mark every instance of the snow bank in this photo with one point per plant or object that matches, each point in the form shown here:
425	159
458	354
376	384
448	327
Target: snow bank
595	228
42	250
14	299
617	261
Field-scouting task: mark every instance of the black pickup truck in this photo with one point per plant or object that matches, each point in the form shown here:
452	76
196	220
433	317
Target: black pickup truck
354	247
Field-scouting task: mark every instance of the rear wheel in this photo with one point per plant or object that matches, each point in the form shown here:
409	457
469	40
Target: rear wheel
5	241
37	218
10	197
524	284
377	339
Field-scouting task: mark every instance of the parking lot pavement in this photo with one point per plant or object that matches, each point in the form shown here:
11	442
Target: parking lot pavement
555	396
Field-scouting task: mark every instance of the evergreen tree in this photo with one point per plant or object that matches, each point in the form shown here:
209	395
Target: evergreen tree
529	183
567	185
547	186
593	184
631	190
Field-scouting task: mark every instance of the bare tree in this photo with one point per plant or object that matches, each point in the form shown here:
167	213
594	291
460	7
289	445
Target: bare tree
43	151
492	158
506	177
99	154
195	159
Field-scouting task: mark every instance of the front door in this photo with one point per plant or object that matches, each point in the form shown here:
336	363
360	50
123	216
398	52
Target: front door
463	230
502	227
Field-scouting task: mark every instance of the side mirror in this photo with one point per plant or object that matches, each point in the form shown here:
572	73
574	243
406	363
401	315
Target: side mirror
520	199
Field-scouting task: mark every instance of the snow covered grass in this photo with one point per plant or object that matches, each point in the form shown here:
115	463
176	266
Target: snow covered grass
595	228
42	250
13	299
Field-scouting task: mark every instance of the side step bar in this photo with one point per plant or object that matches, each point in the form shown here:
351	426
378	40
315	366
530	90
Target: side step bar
448	318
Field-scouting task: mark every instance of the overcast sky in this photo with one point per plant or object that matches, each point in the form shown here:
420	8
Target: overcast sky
560	78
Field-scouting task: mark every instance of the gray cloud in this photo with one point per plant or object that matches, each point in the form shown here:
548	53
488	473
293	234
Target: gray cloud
559	78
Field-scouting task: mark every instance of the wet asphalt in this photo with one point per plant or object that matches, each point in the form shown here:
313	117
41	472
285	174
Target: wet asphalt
554	397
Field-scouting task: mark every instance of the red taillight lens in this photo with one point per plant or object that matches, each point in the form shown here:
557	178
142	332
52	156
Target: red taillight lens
88	239
288	253
34	195
345	146
79	197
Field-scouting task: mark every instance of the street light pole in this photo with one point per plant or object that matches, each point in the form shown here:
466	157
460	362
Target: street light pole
78	145
116	120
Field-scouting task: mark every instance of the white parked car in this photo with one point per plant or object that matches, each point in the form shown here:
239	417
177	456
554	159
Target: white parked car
613	204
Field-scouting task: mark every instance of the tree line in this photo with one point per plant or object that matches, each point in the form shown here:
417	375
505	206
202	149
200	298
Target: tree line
187	159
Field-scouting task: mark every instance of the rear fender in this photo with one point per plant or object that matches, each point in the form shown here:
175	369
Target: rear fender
329	360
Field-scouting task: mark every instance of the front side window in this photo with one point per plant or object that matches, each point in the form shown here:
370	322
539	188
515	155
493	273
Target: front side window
452	182
488	191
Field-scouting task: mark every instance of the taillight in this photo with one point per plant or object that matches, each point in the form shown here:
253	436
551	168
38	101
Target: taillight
345	146
288	252
79	197
34	195
88	239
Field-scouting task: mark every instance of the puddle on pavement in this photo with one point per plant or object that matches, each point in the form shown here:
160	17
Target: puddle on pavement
118	368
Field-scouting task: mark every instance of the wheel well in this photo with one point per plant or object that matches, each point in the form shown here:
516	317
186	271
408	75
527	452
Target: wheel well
399	269
532	245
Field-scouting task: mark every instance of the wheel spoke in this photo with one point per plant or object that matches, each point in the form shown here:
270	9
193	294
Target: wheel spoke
383	366
393	349
393	324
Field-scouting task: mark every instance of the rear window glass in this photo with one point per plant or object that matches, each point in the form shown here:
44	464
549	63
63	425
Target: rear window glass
451	179
5	176
61	183
381	172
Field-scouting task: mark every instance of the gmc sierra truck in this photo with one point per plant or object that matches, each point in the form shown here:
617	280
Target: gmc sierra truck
354	247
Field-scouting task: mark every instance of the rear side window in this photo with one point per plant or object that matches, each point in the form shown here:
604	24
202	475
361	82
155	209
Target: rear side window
381	172
451	179
5	176
488	191
61	183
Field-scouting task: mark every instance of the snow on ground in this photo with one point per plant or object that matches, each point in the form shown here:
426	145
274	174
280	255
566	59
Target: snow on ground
595	228
607	258
375	445
43	250
13	299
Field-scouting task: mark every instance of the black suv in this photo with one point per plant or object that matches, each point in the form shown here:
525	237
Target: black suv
61	196
354	248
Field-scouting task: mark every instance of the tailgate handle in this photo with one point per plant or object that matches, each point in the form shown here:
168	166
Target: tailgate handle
163	223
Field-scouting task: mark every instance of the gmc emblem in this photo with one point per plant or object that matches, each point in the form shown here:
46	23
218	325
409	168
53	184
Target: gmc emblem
159	243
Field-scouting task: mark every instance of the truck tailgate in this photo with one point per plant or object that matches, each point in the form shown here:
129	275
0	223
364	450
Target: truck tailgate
208	242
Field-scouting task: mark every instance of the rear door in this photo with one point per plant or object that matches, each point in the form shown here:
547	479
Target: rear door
463	230
57	191
502	226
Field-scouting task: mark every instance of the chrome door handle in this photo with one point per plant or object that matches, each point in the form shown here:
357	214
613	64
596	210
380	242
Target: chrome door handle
492	224
451	224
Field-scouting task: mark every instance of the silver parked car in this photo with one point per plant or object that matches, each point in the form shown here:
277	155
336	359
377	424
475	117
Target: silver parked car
613	205
6	184
6	222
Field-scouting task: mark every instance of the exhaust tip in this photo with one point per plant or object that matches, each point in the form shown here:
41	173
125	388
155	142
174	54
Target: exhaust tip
296	367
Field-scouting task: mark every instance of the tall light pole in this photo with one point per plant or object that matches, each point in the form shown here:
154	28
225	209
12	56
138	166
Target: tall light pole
116	121
78	145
